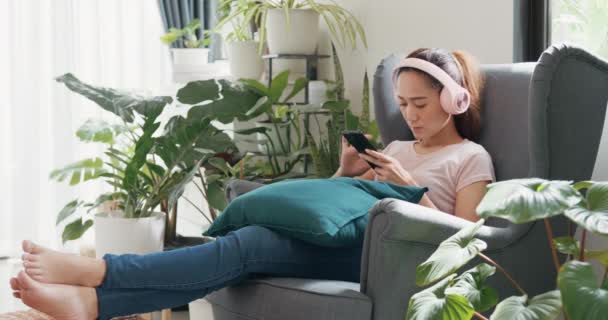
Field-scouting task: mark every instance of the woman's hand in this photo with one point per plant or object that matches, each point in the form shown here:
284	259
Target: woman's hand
388	168
351	164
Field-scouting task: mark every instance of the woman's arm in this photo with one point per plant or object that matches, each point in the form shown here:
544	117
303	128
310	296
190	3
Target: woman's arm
467	200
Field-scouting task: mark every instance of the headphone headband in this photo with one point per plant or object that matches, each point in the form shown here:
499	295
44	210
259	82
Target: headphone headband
454	98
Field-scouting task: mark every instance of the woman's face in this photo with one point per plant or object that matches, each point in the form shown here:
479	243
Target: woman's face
419	104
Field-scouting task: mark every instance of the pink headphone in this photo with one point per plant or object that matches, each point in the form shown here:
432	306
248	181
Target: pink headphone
454	98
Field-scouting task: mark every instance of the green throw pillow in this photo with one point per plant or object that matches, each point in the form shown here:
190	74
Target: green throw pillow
326	212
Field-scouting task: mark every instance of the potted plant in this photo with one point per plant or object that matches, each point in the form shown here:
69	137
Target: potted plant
243	55
291	26
578	294
194	55
147	176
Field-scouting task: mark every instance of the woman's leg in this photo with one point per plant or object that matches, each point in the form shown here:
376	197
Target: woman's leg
249	250
143	283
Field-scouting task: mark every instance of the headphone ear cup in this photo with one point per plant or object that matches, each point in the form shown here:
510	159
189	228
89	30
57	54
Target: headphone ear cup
454	103
445	98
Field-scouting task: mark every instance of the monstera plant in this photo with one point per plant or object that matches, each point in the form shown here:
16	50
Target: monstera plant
579	294
151	169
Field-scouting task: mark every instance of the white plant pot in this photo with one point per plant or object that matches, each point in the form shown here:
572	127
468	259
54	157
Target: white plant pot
299	37
190	59
272	133
245	60
118	235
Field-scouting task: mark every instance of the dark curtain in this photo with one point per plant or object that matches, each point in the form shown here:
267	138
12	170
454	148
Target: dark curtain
531	29
177	14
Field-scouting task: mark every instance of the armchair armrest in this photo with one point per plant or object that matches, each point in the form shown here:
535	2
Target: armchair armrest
399	236
238	187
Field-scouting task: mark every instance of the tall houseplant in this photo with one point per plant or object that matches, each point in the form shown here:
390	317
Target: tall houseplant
578	292
157	170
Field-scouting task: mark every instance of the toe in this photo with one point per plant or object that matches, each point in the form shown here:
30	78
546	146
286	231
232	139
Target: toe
31	265
26	245
29	257
25	281
15	284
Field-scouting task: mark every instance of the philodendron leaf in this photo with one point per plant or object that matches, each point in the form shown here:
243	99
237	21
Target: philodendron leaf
433	303
68	210
546	306
215	195
277	86
80	171
99	131
298	86
525	200
567	245
75	230
592	214
120	103
471	285
198	91
452	254
582	296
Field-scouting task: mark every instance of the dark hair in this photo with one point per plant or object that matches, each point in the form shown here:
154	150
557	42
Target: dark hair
464	69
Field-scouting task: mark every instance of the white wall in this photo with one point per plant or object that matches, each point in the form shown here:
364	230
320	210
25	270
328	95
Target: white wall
483	28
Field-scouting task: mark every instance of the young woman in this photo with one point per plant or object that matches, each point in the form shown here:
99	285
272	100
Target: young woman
438	93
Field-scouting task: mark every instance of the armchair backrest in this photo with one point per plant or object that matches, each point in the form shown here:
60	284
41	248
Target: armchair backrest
541	119
504	131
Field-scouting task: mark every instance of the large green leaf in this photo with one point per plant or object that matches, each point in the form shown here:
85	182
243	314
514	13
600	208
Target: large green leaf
80	171
277	86
582	296
144	145
525	200
68	210
235	102
177	190
99	131
433	303
199	91
546	306
567	245
75	229
592	214
452	254
120	103
215	195
298	86
471	285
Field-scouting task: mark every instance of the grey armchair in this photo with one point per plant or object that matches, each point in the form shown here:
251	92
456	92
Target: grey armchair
540	119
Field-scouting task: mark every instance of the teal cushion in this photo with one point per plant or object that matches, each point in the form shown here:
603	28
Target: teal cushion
327	212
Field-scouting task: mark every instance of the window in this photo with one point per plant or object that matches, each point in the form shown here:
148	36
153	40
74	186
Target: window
581	22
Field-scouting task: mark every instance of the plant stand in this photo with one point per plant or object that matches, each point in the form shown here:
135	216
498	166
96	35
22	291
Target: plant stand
311	60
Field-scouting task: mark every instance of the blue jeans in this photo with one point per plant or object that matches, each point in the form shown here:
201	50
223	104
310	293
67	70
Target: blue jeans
144	283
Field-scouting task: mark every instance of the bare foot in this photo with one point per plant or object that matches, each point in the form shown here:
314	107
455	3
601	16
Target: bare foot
56	300
49	266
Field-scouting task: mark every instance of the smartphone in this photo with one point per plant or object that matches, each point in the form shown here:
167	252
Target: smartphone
358	140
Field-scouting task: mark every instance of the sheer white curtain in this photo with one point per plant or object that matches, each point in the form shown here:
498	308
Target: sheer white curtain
113	43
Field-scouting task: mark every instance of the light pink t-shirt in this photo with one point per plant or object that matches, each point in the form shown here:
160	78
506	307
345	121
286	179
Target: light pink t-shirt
445	171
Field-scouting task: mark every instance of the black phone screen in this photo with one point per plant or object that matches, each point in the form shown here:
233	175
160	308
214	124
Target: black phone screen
358	140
